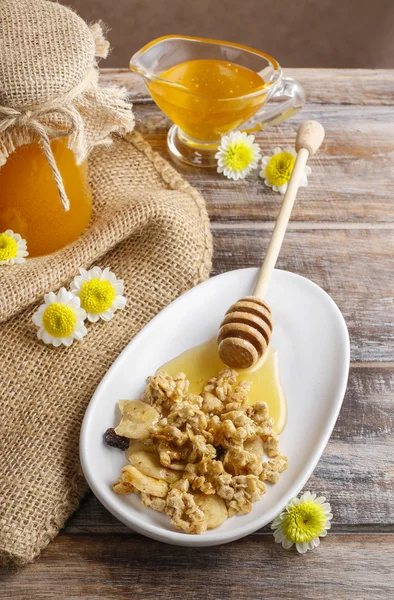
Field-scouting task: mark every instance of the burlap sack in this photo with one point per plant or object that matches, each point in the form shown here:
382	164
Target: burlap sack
151	227
148	225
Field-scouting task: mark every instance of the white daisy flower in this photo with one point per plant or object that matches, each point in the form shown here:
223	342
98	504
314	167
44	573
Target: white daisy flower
13	248
237	155
277	169
303	522
60	319
101	294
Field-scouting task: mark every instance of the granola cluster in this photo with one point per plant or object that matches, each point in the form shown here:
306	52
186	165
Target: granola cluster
199	459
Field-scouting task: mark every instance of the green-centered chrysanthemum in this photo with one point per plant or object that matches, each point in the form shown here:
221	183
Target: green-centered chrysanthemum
277	169
12	248
303	522
237	155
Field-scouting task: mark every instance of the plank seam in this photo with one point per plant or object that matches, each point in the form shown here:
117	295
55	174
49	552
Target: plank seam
357	530
299	225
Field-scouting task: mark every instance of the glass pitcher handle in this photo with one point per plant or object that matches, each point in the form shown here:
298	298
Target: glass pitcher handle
286	100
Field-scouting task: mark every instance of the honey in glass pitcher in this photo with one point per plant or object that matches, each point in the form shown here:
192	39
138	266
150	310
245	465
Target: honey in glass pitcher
209	88
199	104
29	199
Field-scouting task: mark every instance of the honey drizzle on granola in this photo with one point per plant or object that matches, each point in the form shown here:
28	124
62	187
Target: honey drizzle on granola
202	362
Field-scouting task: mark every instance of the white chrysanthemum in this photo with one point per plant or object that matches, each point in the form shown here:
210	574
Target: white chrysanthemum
101	294
237	155
277	169
303	522
60	319
13	248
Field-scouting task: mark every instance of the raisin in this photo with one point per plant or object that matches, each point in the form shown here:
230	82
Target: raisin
115	440
220	452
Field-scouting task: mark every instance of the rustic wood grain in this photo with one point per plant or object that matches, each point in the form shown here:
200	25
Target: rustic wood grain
345	567
341	236
354	266
352	175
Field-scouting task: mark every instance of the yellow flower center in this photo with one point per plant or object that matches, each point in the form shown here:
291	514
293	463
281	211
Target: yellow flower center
8	247
96	296
238	156
59	320
304	523
279	168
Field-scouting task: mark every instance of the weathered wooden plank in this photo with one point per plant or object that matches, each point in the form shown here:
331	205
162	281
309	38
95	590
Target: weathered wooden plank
323	86
79	567
351	191
352	175
355	472
354	266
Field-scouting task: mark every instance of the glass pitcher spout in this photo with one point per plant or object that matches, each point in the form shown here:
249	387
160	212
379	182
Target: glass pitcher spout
208	88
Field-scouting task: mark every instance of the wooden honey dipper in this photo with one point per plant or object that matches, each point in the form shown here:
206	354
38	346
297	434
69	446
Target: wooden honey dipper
246	329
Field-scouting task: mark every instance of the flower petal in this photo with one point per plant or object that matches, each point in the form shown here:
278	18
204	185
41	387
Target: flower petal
120	302
94	273
303	180
107	315
92	317
282	188
46	338
119	287
50	298
74	302
302	547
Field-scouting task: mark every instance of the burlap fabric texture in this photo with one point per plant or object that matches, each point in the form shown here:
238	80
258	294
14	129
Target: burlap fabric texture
148	225
151	227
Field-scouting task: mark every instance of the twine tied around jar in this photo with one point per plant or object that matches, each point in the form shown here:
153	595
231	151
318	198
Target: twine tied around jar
29	119
34	75
32	120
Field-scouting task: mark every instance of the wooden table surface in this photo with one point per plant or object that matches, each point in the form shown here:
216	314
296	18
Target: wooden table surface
341	237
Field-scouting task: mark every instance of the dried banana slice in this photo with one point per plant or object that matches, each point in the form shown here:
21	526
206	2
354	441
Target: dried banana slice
121	487
137	418
255	446
213	507
143	483
149	464
137	445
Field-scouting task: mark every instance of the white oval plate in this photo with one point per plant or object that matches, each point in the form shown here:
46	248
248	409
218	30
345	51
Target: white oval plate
312	340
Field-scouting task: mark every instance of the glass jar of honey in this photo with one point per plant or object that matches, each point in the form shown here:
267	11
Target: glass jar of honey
53	113
29	198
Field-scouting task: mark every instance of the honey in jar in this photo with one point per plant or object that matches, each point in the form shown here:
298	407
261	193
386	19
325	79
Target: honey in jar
29	199
203	362
210	98
53	113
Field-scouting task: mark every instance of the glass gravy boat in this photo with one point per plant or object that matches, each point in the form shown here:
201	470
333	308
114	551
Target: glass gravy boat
200	116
